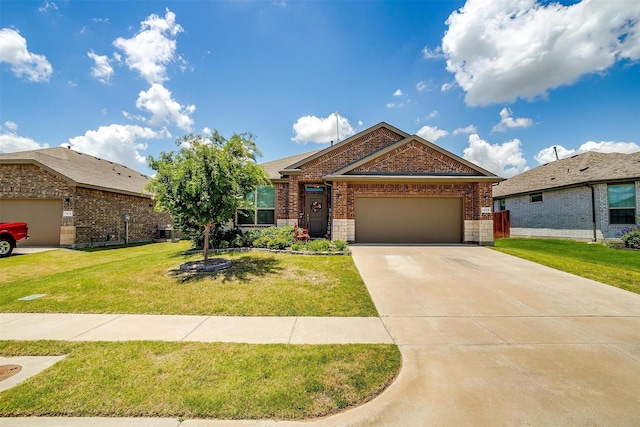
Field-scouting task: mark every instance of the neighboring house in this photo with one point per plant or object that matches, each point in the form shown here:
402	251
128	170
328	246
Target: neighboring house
587	196
74	200
381	185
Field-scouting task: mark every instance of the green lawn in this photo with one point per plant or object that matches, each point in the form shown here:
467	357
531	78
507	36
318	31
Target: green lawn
143	280
620	268
199	380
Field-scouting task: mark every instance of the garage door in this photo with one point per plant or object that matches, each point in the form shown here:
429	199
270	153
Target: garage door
43	217
408	220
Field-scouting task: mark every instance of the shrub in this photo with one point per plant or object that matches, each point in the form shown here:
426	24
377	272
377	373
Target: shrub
340	245
273	237
299	246
320	245
631	237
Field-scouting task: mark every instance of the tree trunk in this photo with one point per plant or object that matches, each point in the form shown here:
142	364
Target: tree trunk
207	228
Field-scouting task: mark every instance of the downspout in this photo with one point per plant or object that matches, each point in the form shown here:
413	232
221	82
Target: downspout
593	210
330	214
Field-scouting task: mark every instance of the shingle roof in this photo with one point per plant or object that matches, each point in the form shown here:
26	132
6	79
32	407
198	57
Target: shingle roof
83	170
589	167
273	167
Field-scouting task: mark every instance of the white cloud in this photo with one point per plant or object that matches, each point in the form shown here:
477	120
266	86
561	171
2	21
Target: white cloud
47	6
13	50
153	47
548	154
398	93
164	109
117	143
11	142
447	86
503	49
468	129
431	133
102	69
502	159
508	122
422	86
428	53
322	129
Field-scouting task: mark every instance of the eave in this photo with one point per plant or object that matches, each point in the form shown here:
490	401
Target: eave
444	179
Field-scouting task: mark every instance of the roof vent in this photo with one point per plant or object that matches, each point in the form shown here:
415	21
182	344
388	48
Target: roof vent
552	178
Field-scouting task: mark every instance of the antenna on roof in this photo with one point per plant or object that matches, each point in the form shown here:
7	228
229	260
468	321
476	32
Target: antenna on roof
555	149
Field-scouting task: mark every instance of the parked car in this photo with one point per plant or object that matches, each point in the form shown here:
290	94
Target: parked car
10	233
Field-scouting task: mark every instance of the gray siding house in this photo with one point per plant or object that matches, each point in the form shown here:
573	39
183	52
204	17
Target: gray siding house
589	196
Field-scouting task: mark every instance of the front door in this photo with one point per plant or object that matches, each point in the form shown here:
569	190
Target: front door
316	214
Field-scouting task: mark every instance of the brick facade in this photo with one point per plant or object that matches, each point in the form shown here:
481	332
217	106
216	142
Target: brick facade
414	158
94	213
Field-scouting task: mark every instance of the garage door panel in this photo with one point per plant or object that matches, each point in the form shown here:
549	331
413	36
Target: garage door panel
42	216
408	220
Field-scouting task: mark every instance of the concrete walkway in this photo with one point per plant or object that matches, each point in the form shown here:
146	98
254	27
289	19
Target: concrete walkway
252	330
487	339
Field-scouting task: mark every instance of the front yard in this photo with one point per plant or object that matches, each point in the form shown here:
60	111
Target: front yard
191	380
619	268
144	280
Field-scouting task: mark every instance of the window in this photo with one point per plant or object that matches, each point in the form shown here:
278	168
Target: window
503	204
263	212
622	203
535	198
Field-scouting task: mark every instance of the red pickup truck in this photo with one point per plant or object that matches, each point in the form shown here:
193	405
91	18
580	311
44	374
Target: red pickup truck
10	233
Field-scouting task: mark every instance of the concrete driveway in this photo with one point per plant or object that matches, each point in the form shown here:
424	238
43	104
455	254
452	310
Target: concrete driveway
489	339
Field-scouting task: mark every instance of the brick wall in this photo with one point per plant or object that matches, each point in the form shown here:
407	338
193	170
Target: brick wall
99	213
349	153
414	158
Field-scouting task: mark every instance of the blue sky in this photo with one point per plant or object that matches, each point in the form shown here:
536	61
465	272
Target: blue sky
499	83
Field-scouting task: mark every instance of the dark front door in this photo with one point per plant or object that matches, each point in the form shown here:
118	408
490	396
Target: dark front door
316	214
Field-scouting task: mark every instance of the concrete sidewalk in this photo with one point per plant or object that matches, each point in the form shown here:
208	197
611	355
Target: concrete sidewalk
252	330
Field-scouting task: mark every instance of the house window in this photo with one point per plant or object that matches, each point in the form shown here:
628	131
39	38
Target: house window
535	198
622	203
503	204
263	212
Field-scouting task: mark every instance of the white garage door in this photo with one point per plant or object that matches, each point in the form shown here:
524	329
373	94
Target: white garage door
408	220
42	216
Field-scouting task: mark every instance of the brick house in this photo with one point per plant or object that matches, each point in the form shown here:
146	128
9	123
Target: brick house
381	185
74	200
590	196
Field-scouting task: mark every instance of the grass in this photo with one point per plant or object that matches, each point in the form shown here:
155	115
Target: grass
199	380
143	280
619	268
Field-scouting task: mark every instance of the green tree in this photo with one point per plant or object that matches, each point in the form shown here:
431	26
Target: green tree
204	182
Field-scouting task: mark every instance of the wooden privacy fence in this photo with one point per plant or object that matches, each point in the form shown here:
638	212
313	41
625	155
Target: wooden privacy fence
501	226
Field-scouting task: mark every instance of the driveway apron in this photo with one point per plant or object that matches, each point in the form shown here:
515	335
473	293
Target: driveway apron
490	339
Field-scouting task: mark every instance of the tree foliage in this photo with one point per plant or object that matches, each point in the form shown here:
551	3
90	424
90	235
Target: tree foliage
206	180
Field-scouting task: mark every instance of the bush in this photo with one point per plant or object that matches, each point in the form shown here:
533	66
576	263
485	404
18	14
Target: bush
273	237
299	246
340	245
319	245
631	237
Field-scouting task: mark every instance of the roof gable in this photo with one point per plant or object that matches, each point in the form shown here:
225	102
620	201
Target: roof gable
348	151
580	169
413	156
83	170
